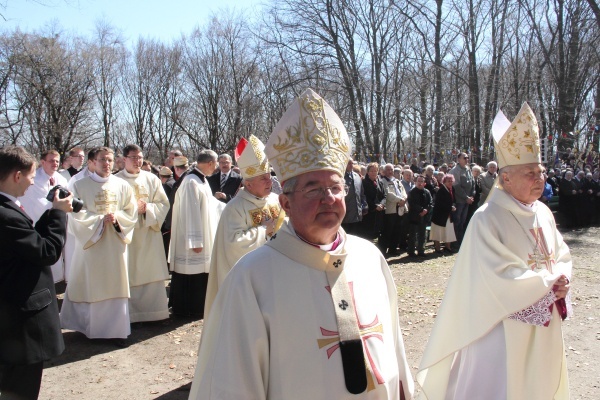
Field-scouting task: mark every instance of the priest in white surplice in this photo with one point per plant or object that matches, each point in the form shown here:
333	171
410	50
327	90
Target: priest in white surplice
70	243
195	218
498	332
313	313
147	264
96	300
248	220
34	201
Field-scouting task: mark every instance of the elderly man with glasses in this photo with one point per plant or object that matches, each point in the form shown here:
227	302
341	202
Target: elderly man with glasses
313	313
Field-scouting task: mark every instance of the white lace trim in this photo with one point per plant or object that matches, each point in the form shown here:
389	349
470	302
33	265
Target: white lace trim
538	314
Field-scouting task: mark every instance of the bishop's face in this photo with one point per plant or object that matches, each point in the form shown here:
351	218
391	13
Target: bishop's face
315	218
525	182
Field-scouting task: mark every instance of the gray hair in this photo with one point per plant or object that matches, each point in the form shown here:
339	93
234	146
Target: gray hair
476	168
494	163
206	156
289	185
225	155
508	169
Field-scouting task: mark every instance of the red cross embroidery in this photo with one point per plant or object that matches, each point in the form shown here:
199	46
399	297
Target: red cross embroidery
546	258
368	331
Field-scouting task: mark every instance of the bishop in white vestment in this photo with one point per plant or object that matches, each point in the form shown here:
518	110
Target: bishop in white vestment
147	264
498	331
248	220
313	313
193	227
96	300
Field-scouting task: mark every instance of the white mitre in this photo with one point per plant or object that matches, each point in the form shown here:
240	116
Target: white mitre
517	143
251	158
310	136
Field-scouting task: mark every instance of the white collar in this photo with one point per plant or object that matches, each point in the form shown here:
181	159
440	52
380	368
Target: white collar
97	178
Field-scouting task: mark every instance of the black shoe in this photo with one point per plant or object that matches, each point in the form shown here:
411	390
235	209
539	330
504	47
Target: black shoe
449	250
439	251
412	254
120	343
421	254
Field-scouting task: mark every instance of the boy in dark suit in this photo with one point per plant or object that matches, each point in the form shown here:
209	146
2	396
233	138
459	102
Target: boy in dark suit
29	325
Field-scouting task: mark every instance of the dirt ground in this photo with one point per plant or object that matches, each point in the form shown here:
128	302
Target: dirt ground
160	360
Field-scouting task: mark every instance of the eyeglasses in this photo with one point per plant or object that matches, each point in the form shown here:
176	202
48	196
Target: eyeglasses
105	160
338	191
135	158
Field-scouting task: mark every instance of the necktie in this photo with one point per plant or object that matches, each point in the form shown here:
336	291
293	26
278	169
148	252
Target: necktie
223	179
52	181
21	207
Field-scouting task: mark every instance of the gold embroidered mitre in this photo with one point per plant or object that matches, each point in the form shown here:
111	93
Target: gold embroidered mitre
309	137
251	158
518	142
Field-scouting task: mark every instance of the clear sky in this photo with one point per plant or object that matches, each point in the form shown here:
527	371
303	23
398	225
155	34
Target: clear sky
160	19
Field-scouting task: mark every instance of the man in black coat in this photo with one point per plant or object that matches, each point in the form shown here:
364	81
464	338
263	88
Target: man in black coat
225	183
29	324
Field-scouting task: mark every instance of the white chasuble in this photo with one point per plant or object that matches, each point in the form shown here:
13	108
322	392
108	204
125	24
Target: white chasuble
147	264
273	333
195	217
35	203
99	265
241	229
507	265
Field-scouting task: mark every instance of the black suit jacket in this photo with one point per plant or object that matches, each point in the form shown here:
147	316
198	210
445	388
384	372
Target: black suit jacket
231	187
29	323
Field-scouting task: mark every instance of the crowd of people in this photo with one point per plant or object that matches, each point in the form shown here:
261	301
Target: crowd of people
284	257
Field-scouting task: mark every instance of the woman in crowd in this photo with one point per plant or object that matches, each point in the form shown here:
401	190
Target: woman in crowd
442	228
375	194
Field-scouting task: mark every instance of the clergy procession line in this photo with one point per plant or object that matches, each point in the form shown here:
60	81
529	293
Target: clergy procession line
284	257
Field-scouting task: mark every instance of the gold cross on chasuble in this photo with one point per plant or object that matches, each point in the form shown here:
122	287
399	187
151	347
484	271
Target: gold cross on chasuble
140	192
374	330
106	202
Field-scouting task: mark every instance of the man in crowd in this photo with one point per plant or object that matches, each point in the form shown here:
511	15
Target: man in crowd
420	204
487	181
408	183
313	313
170	162
29	325
356	202
464	190
499	325
249	219
195	217
166	177
86	171
553	180
76	157
395	208
568	199
146	260
34	200
96	300
225	183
